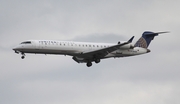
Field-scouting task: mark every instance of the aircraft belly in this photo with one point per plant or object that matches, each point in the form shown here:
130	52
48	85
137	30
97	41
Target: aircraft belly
48	51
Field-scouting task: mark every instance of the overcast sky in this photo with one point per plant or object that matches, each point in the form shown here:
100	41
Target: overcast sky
152	78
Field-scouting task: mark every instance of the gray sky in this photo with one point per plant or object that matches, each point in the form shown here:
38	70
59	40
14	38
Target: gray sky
152	78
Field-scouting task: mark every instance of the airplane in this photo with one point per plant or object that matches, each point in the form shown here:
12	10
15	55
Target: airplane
86	52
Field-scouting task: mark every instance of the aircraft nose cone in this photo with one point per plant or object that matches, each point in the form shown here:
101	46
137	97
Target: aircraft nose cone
14	48
17	48
148	50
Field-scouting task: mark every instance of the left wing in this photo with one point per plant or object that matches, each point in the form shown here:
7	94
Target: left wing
103	52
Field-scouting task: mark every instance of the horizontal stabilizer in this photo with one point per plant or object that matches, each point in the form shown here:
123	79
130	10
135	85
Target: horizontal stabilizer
156	33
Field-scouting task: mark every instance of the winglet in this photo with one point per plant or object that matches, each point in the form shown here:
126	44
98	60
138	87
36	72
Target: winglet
130	40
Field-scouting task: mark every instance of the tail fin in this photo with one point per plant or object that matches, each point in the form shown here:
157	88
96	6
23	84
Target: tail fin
146	38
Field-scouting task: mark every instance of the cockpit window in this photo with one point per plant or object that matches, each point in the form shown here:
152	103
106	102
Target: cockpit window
26	42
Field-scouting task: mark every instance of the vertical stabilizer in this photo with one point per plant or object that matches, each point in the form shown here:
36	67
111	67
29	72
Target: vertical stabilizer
146	39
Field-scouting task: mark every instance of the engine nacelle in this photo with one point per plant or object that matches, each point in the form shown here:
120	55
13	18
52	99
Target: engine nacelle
127	46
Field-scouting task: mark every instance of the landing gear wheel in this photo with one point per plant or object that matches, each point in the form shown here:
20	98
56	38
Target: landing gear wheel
22	57
97	60
89	64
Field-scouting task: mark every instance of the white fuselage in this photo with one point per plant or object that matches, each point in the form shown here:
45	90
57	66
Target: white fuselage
88	52
75	48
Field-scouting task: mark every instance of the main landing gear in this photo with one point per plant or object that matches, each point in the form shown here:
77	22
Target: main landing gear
97	60
89	64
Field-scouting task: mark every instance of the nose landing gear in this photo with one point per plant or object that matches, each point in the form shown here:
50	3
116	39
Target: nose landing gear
16	52
23	56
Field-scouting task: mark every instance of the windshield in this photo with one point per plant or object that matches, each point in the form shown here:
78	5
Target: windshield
26	42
